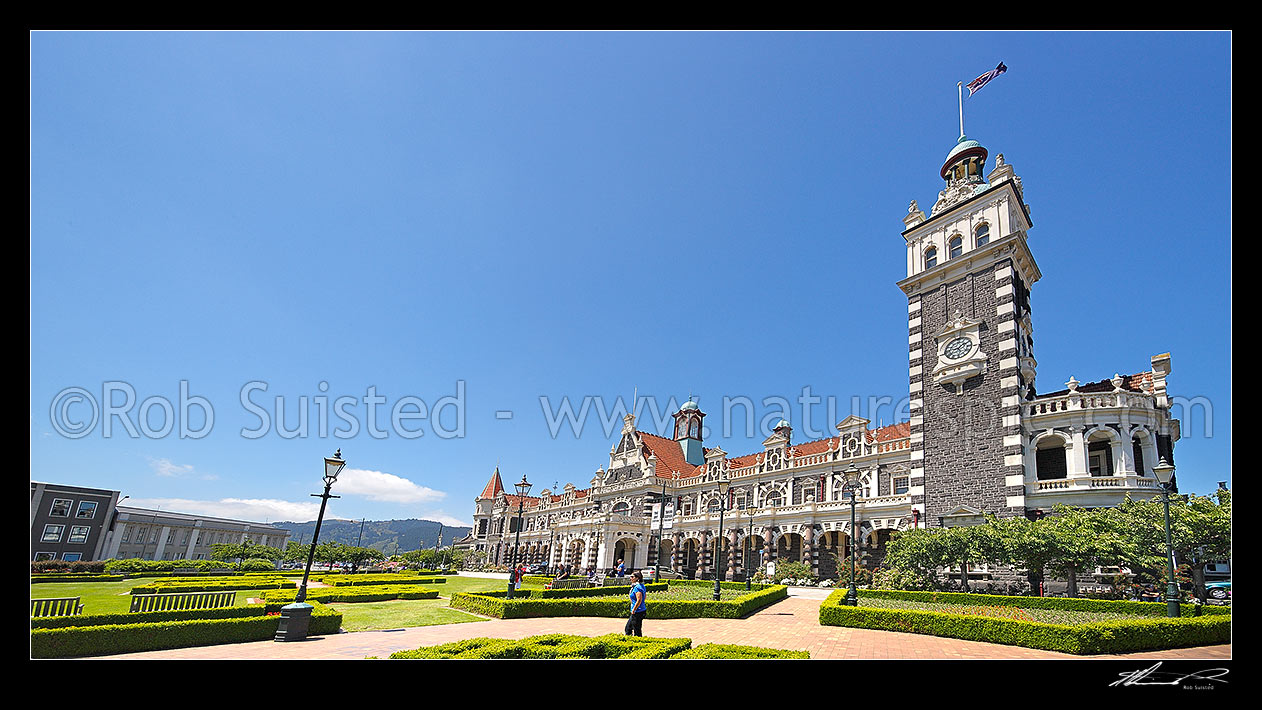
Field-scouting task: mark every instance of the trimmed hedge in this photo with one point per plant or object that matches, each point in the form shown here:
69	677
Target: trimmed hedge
588	592
608	646
336	595
142	617
71	577
1143	634
553	646
135	565
540	603
724	650
77	641
357	582
201	585
1117	606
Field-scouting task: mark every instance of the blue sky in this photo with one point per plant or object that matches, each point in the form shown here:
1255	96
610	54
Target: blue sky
497	218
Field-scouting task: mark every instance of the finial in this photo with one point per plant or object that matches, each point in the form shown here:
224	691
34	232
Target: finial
1072	384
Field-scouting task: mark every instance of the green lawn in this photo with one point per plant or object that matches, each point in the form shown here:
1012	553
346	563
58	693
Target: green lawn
1046	616
400	613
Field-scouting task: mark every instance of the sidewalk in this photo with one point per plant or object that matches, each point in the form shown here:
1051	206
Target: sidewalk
789	624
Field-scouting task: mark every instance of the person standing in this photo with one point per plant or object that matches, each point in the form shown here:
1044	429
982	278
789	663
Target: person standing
621	569
638	606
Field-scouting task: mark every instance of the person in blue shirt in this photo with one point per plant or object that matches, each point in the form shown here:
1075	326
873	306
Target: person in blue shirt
621	569
638	606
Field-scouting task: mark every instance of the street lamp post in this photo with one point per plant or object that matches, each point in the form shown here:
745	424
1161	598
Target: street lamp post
523	488
724	486
1165	474
852	487
295	618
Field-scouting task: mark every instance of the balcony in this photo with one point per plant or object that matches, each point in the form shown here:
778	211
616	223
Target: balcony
1124	483
1076	402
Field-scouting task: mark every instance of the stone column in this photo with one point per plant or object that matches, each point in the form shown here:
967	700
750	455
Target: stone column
809	555
1078	454
676	539
703	555
768	546
162	542
731	556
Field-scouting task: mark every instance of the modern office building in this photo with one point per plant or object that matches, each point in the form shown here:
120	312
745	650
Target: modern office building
70	522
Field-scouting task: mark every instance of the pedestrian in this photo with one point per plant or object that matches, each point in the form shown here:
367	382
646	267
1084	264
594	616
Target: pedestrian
638	606
621	569
517	574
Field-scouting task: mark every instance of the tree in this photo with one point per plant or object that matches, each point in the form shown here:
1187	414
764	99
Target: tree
1200	532
919	550
1028	544
359	555
1083	539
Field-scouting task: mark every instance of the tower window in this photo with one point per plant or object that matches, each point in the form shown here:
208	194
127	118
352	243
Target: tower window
982	233
955	246
931	257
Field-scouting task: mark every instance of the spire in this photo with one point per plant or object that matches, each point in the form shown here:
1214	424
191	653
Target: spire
494	487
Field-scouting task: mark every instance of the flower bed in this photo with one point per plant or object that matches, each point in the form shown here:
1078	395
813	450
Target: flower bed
582	602
1079	626
609	646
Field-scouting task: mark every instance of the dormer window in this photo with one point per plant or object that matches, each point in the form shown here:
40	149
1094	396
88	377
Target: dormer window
931	257
982	234
955	247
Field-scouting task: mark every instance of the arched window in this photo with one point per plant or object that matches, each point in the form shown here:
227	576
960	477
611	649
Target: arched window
955	247
982	234
621	507
1049	458
931	257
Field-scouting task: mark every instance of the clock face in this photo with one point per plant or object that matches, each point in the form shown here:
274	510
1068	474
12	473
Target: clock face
958	348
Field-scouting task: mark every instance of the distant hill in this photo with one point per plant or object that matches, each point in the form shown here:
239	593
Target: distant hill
388	536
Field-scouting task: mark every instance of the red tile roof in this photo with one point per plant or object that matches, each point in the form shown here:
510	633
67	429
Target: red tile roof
494	486
669	455
890	432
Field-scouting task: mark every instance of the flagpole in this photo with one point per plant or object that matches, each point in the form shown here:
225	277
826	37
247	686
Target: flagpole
961	88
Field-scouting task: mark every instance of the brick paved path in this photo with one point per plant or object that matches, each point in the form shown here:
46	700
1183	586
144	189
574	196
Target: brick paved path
790	624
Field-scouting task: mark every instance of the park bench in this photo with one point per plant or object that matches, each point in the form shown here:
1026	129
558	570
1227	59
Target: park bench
180	602
61	606
578	583
615	581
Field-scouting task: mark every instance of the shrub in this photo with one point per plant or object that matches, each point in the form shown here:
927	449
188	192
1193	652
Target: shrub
77	567
71	577
903	579
137	565
76	641
258	564
234	612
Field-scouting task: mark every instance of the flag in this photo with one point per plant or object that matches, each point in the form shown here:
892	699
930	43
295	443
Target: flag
976	85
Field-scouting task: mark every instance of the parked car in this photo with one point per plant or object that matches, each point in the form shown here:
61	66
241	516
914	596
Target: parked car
1218	590
539	568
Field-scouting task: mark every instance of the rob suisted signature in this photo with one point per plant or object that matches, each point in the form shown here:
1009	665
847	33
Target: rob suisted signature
1150	676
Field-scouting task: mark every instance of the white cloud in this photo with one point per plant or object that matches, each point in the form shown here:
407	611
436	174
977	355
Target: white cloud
378	485
165	467
445	518
253	509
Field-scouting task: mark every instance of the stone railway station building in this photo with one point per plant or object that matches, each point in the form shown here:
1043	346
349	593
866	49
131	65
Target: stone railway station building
980	440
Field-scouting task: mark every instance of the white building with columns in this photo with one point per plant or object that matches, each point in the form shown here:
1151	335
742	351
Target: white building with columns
150	534
981	439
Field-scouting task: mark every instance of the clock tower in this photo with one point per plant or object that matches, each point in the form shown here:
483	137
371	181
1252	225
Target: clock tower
971	362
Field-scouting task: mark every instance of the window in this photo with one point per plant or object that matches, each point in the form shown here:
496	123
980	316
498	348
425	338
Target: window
1137	449
126	532
61	508
41	556
72	556
1099	458
955	247
982	234
931	257
78	534
900	485
87	510
621	508
1049	459
52	533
